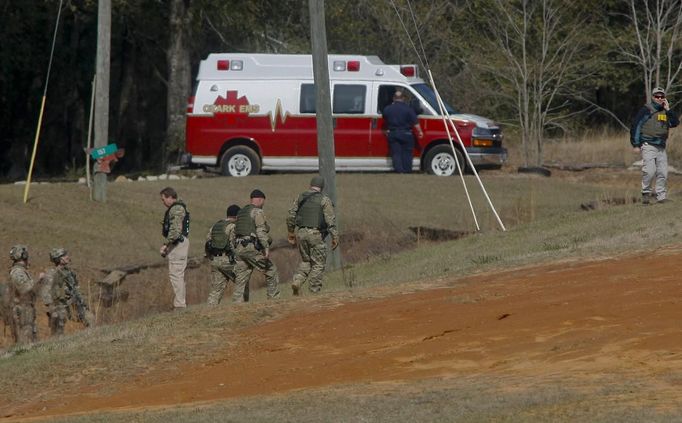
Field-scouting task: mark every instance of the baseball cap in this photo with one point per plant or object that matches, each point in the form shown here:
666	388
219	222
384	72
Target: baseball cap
256	193
658	90
233	210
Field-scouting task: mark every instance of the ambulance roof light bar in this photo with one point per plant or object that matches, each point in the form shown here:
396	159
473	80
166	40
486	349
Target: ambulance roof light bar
225	65
342	65
409	71
339	65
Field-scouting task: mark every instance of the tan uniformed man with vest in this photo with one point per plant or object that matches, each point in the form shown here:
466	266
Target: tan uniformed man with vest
253	249
311	218
22	291
175	230
220	250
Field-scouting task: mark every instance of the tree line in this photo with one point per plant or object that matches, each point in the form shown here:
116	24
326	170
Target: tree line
543	68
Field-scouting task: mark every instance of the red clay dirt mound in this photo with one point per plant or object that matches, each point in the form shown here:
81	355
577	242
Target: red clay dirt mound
577	318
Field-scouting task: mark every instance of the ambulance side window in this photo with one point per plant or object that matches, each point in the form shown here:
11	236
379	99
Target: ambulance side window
349	99
307	103
385	97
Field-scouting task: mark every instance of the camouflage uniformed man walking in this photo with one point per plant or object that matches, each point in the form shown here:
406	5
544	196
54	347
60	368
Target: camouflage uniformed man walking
220	249
253	249
310	219
65	294
175	230
23	297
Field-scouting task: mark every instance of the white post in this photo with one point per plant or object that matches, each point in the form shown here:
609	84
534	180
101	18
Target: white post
89	142
441	106
466	154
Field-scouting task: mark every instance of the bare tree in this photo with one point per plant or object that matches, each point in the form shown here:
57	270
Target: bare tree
532	56
654	42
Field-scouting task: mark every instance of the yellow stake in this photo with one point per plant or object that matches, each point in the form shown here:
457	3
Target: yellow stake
35	149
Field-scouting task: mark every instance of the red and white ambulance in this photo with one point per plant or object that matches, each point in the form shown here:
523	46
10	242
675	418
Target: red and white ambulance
256	112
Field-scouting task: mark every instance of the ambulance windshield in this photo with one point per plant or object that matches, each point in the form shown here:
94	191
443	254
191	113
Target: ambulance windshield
428	94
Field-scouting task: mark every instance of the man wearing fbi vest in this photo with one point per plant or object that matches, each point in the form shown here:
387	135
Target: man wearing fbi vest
648	136
311	218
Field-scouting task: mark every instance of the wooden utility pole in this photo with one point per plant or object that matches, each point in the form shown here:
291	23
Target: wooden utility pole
102	89
325	127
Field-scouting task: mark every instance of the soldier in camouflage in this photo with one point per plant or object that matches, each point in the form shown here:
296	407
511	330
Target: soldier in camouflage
65	294
175	230
220	250
253	249
311	218
23	296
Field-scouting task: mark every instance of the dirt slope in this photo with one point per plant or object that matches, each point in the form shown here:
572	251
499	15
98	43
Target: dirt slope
577	319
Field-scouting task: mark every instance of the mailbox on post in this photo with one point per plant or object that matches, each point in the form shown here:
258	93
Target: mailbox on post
105	156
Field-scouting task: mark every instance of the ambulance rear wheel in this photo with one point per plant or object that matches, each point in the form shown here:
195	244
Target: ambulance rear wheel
440	161
240	161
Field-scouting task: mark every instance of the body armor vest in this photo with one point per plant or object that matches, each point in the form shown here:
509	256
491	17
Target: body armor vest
185	220
656	126
219	239
309	214
245	225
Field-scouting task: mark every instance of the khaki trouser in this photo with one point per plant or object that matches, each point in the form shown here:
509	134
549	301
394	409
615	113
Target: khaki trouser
654	165
222	270
177	263
248	258
313	258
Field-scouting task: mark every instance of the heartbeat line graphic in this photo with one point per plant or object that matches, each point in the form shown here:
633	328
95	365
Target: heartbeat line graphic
278	112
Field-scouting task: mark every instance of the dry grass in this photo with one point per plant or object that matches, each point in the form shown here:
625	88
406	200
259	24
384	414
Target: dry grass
469	399
602	146
126	229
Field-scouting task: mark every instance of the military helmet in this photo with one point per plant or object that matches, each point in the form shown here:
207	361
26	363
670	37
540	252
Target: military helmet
19	252
57	253
317	181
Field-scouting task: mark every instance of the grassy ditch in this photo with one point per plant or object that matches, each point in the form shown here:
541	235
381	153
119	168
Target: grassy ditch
569	235
380	207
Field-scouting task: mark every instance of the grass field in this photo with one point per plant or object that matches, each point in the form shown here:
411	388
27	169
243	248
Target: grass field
544	221
599	147
126	229
466	400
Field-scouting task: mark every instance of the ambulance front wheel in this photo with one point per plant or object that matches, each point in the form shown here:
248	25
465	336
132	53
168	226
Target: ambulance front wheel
240	161
440	161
